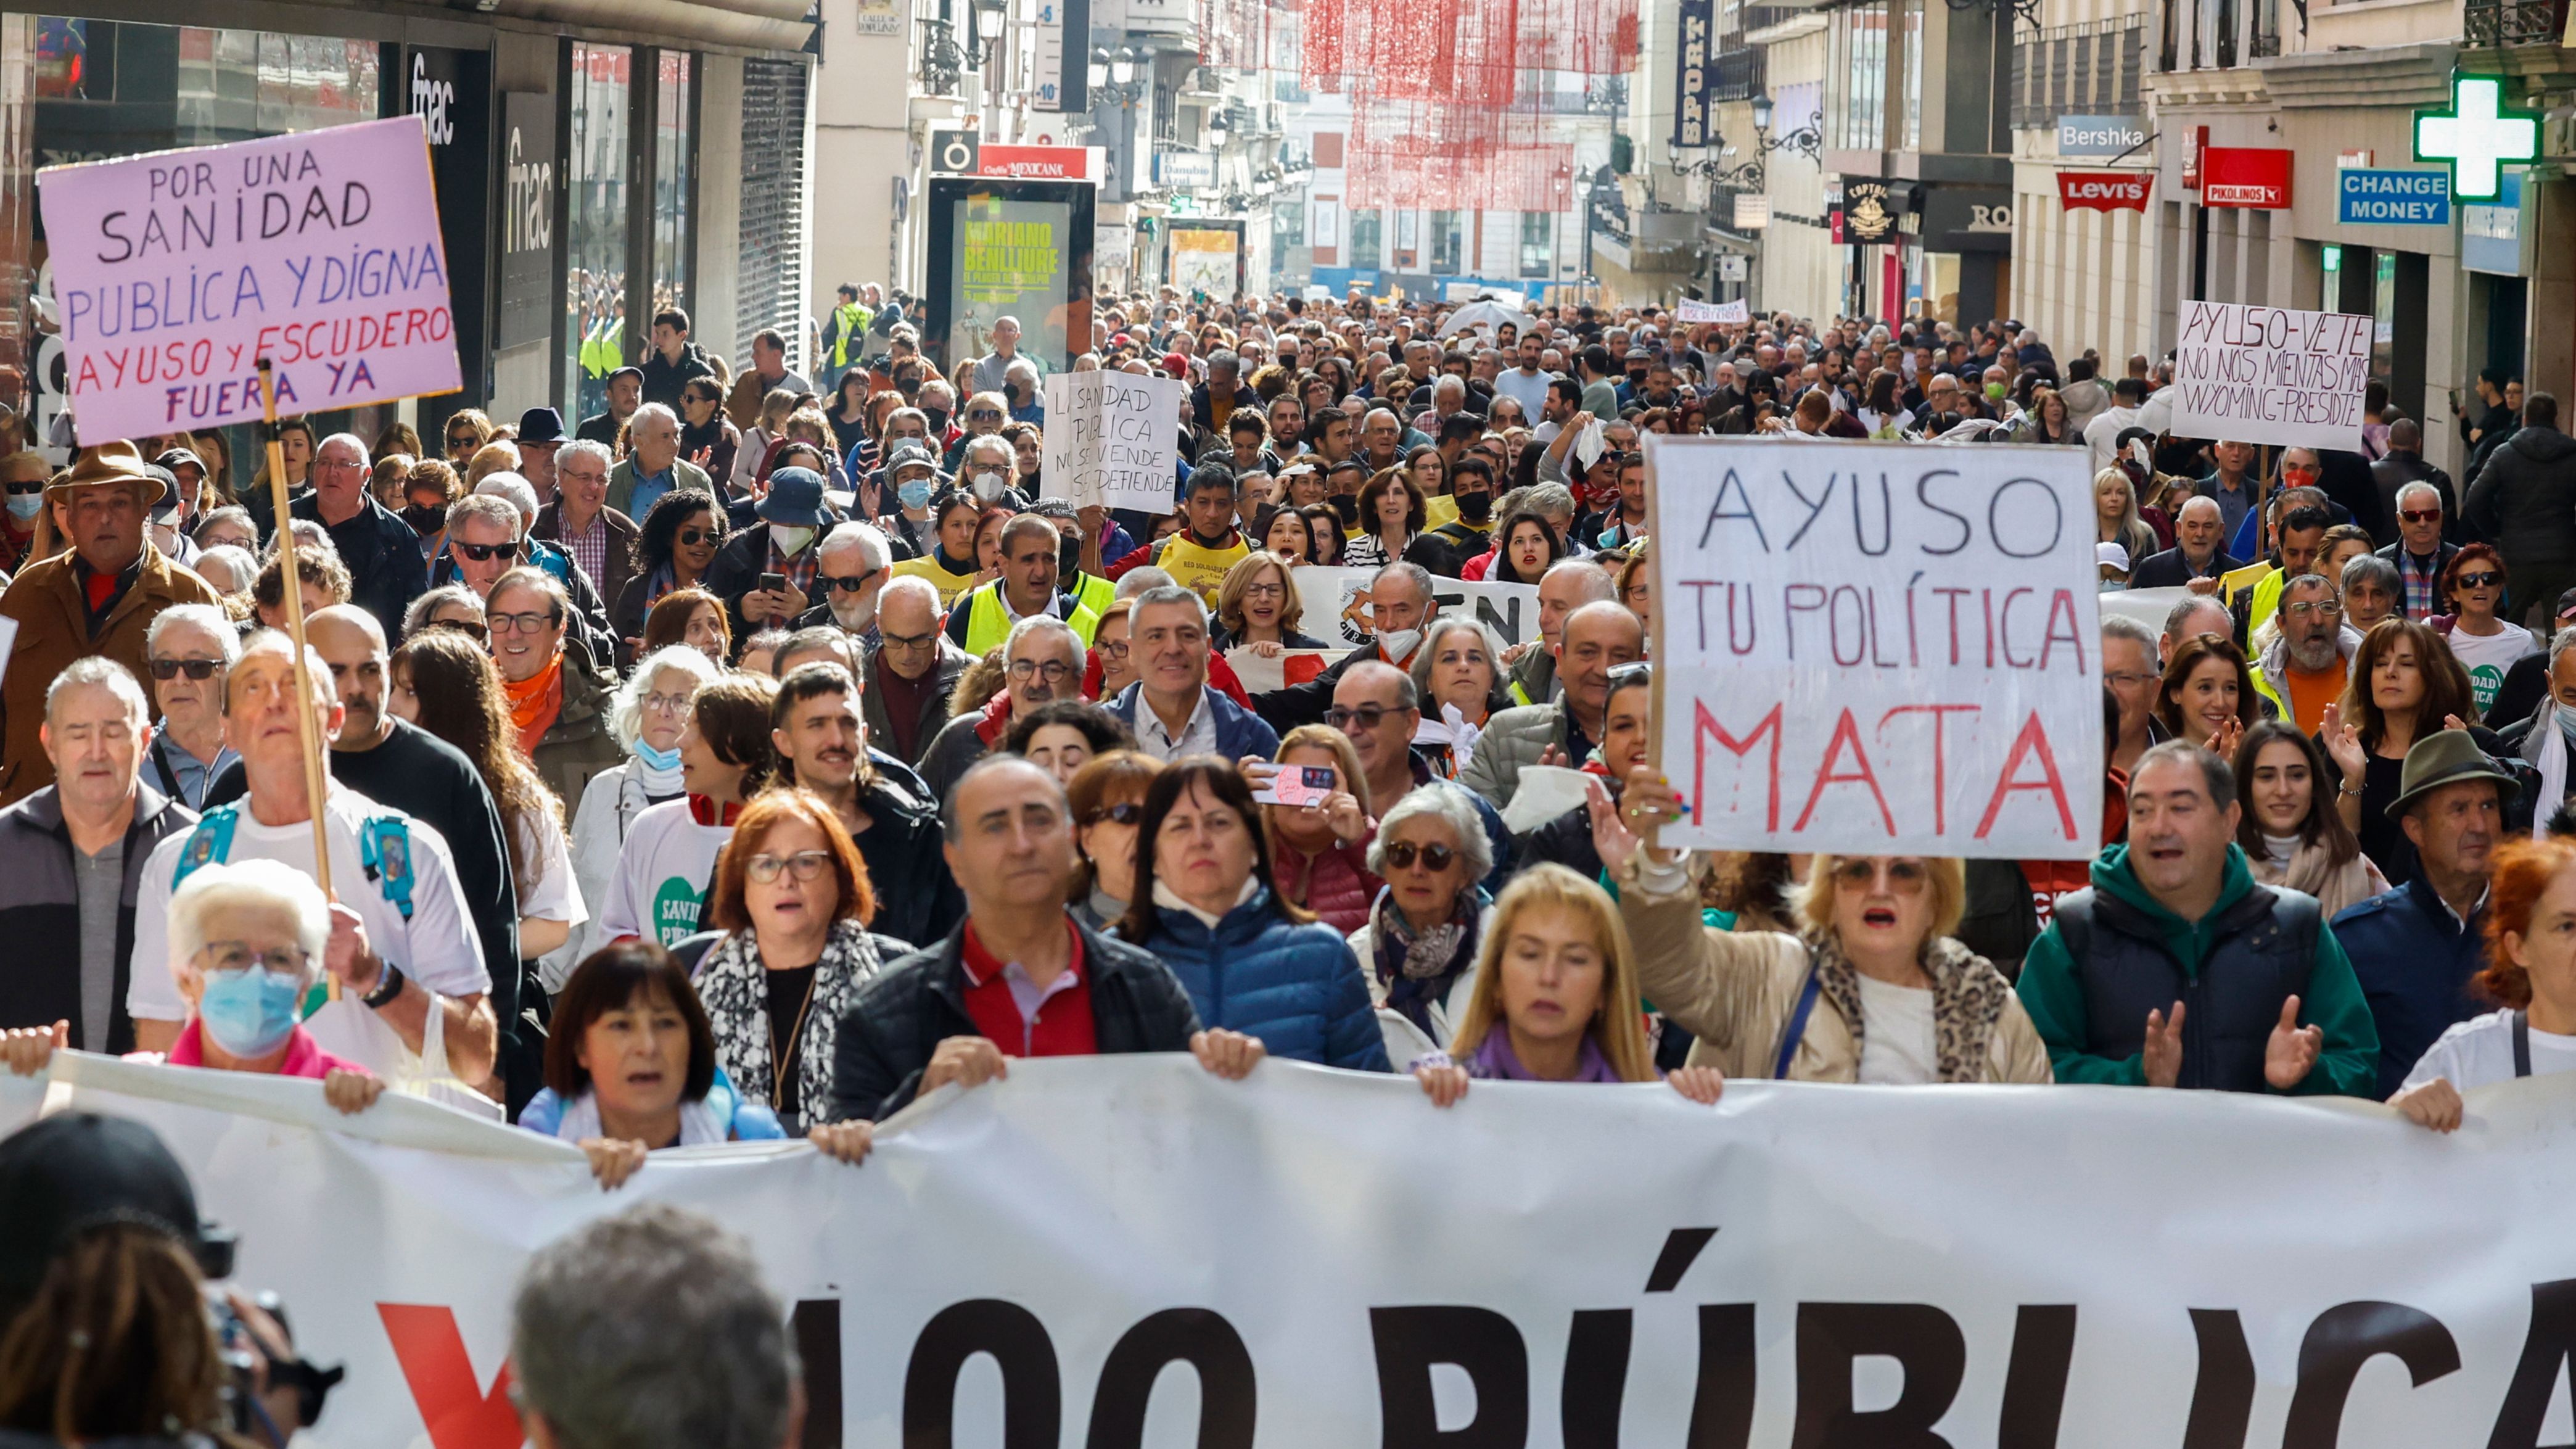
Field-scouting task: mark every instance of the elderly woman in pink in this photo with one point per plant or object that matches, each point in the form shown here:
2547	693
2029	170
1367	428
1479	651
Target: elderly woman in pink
247	943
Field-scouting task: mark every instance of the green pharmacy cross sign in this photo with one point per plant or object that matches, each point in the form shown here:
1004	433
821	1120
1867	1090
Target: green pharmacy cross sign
2478	135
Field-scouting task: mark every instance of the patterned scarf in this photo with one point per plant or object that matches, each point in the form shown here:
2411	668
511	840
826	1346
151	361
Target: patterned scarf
1967	1000
1417	969
735	991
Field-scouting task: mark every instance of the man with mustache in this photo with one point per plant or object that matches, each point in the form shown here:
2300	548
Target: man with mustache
822	747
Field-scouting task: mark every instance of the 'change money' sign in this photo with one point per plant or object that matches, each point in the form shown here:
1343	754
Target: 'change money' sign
1876	648
177	271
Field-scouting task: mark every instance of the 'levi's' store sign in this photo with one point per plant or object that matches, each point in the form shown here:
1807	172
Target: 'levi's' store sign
2255	178
2104	190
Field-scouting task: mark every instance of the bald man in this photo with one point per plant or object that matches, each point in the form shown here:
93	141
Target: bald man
388	759
2197	554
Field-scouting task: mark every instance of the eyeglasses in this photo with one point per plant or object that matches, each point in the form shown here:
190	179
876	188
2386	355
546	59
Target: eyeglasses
521	623
2126	679
231	956
1907	877
2408	515
1053	671
983	415
2308	608
197	669
679	704
1265	591
1367	716
848	584
486	552
804	865
1112	651
1126	812
1435	858
2483	579
460	440
694	536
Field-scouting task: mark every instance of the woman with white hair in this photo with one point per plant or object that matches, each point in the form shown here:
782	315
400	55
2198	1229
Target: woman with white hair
1457	673
647	714
246	943
1419	946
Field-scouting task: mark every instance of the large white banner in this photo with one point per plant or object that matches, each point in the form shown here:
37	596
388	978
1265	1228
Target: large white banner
2270	375
1329	1261
1112	439
178	271
1875	648
1336	604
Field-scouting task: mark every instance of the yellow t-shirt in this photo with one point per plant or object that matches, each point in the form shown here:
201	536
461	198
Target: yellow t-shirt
950	586
1437	511
1198	568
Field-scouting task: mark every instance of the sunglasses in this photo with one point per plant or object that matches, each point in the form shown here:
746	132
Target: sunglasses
38	486
1434	857
1907	877
694	536
983	415
848	585
1128	813
197	669
486	552
1367	716
2481	580
2410	515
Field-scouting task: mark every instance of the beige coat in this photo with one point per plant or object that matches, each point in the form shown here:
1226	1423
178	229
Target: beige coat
1736	993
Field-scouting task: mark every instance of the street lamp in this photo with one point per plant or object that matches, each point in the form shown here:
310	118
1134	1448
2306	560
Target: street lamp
1761	112
1216	136
1099	69
1122	66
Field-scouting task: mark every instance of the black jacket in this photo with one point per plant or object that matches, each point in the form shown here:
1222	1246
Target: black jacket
663	380
2264	947
2171	570
2525	499
1445	550
901	1017
916	898
40	914
382	554
2397	470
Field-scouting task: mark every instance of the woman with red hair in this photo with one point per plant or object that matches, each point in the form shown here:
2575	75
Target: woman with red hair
2531	969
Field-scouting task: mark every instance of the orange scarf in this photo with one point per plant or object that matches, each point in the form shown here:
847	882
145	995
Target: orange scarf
535	701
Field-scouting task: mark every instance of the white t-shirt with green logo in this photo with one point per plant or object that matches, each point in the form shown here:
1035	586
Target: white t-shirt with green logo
663	871
2487	656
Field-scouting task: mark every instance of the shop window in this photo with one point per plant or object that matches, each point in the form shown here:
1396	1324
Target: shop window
1448	242
674	181
1366	233
1538	244
598	338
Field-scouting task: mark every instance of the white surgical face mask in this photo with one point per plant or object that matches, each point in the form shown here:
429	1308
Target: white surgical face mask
990	485
790	540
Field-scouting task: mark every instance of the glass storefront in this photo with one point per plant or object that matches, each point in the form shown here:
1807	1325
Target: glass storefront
673	119
595	168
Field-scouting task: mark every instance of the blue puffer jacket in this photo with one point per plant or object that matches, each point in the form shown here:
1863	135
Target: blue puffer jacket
1298	988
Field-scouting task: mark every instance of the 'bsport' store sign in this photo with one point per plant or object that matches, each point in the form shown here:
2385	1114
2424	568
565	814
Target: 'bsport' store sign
2365	197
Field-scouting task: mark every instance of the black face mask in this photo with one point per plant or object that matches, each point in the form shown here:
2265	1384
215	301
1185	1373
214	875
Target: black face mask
1637	378
938	422
1068	558
1475	507
424	521
1346	506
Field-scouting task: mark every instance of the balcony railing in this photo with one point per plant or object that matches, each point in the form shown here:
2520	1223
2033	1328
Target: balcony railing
2510	22
1739	74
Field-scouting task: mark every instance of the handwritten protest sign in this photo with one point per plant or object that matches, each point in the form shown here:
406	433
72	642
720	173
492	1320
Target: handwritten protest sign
1336	605
2269	375
1864	649
177	271
1736	312
1112	439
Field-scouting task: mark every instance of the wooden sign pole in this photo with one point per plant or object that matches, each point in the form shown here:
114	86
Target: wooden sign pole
316	777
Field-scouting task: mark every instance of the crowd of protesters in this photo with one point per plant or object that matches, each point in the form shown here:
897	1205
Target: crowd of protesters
748	760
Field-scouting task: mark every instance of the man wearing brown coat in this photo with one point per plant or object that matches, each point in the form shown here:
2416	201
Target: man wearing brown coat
98	598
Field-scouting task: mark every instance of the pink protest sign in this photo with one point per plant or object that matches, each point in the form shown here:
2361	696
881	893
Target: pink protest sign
177	271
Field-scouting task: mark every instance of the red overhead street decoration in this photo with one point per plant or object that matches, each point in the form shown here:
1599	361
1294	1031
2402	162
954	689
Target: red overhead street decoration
2104	190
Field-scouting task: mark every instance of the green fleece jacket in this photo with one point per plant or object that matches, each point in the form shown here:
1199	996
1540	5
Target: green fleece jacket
2052	990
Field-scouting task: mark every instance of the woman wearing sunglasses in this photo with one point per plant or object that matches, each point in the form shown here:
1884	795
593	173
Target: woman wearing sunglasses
678	542
1107	797
792	897
2473	584
1429	920
1872	989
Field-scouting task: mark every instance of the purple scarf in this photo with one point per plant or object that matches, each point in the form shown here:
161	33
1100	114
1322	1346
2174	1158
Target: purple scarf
1494	1061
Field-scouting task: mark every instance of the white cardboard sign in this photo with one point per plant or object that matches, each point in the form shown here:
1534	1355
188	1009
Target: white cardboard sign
1877	648
1113	439
2270	375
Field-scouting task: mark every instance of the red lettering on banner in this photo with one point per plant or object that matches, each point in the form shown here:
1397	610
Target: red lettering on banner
2031	740
1705	724
1940	753
1847	732
454	1407
2104	190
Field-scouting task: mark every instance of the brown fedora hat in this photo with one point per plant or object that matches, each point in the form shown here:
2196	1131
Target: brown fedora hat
2448	757
117	462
